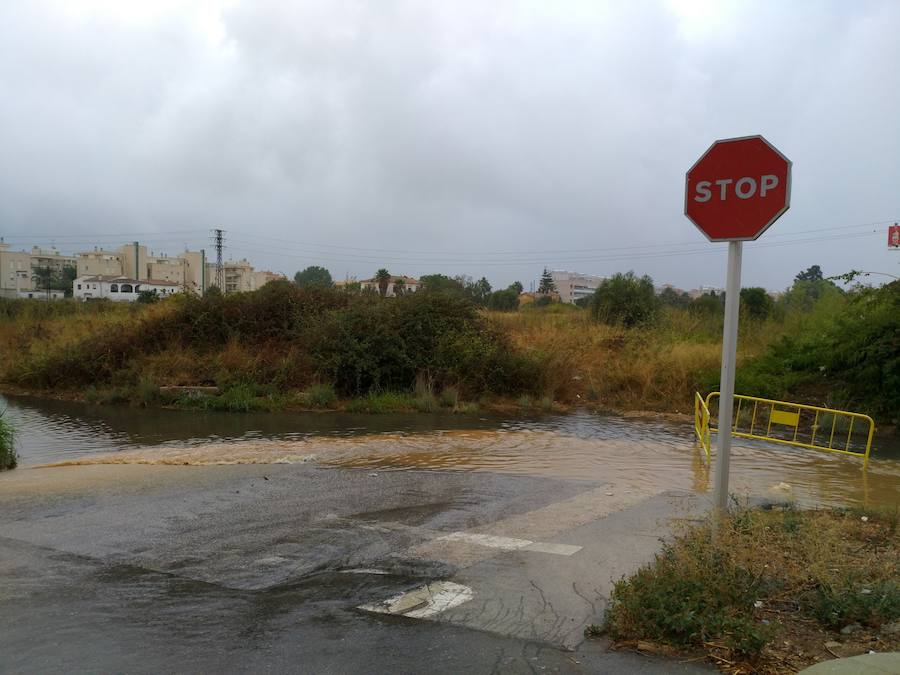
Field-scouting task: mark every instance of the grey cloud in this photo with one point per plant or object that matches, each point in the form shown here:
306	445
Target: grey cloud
452	128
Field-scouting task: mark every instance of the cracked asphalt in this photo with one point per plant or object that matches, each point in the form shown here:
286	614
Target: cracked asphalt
262	568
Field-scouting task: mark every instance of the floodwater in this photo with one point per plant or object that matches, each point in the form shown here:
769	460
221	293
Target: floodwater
647	455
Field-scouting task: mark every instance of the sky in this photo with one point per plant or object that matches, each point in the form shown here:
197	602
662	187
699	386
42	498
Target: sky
467	137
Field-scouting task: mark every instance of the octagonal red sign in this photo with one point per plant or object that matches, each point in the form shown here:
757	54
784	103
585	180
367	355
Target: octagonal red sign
737	189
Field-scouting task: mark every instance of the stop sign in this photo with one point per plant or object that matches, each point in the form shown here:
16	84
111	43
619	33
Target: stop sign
737	189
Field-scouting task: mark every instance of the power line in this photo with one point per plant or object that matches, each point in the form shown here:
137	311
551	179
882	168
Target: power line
291	252
546	251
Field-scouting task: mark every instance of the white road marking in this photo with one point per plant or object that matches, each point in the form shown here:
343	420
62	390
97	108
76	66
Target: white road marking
510	543
425	601
558	549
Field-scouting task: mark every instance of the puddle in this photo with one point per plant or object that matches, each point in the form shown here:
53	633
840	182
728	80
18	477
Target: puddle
645	456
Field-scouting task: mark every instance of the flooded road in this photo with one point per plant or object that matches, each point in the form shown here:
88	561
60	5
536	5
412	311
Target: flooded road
249	543
647	455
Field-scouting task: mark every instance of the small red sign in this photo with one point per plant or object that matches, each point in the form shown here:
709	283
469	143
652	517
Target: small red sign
737	189
894	236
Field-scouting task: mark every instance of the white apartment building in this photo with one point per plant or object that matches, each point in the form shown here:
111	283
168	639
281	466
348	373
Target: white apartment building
119	288
573	286
189	271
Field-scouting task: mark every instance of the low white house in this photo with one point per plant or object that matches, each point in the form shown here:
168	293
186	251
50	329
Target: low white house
403	284
119	289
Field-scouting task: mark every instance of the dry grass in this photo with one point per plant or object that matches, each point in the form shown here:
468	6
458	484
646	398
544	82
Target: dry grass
656	367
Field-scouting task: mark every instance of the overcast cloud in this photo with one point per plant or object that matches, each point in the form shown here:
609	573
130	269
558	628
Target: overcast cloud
459	137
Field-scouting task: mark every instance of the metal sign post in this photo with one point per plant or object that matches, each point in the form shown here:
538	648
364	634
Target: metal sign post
729	365
733	193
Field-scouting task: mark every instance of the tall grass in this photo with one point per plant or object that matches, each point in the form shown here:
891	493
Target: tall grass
8	457
655	366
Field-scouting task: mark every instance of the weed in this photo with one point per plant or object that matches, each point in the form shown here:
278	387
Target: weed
8	457
593	630
449	397
321	395
385	402
808	566
425	402
147	391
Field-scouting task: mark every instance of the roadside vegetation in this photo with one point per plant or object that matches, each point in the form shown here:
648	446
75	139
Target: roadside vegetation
776	590
457	345
8	457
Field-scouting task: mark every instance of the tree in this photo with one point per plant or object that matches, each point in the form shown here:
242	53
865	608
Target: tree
481	289
383	277
517	287
149	297
808	288
813	273
625	299
45	278
756	302
399	287
546	286
673	298
506	300
708	303
313	276
441	283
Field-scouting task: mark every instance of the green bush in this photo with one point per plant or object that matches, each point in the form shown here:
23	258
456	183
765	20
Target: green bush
756	303
8	457
690	595
853	601
625	299
854	354
321	395
379	346
380	403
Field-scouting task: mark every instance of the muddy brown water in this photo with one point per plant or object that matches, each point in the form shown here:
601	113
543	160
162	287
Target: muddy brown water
647	455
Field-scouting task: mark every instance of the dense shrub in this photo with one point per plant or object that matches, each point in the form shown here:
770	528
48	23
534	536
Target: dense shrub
287	337
625	299
853	354
756	302
372	345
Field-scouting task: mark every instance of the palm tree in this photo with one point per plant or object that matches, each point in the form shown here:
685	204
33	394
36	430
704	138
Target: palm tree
383	277
44	278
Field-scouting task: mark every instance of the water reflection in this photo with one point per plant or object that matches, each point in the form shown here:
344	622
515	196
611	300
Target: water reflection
646	455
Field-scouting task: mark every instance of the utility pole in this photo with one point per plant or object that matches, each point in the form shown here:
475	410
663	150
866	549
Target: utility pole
220	267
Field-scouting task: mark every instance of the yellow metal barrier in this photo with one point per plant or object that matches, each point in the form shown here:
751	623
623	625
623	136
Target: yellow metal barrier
701	422
803	426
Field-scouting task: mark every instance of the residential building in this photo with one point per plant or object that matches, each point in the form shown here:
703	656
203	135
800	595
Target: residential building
118	288
408	284
705	290
573	286
238	276
262	277
15	272
190	270
50	259
99	262
18	270
196	279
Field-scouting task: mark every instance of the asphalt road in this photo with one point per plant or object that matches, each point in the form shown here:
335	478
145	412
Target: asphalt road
263	568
